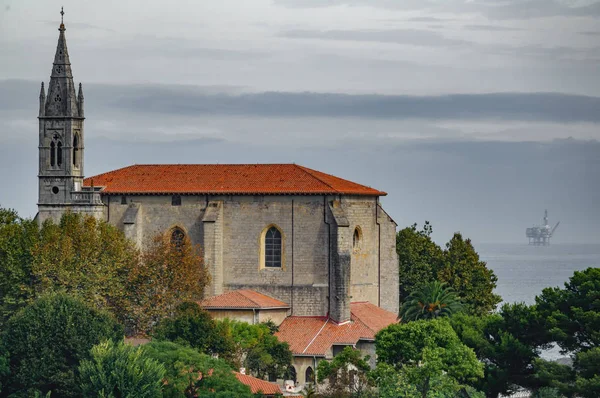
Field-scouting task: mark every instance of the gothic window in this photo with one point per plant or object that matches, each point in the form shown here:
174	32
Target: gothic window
59	154
291	374
52	154
356	238
177	238
273	248
309	376
76	151
176	200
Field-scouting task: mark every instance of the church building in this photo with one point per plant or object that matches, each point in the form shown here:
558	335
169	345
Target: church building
310	241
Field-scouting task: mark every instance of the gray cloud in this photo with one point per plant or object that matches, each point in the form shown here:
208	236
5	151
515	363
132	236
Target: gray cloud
491	28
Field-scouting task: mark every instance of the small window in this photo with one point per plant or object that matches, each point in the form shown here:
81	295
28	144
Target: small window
52	154
273	248
177	238
55	190
176	200
356	238
76	151
291	374
123	200
309	375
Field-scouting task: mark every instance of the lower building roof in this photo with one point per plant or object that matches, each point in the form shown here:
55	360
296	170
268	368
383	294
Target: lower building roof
242	299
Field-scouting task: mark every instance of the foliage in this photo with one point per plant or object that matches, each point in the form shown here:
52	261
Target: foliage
257	349
4	369
120	370
192	374
468	276
429	301
422	261
428	351
193	326
346	374
85	257
419	258
17	237
587	366
507	343
49	338
547	392
166	276
573	313
553	376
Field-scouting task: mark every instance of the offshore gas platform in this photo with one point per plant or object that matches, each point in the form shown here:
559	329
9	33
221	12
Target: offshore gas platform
540	235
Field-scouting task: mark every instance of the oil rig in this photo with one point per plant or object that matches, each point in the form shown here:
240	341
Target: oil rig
540	235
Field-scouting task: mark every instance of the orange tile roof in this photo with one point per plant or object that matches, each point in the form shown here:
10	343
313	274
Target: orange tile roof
243	179
316	335
242	299
258	385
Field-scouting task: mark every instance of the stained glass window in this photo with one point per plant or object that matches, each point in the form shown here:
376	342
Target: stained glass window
273	248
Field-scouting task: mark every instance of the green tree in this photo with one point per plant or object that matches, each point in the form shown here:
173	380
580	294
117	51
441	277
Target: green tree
193	374
507	343
469	276
347	374
17	237
193	326
257	349
419	258
573	313
4	369
553	376
587	366
429	301
426	352
118	370
48	339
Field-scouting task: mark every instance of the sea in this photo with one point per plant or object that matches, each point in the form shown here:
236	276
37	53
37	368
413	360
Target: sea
524	270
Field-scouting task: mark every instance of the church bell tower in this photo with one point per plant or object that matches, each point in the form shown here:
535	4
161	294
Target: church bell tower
61	139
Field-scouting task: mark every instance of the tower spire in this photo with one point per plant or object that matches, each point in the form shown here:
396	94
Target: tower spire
62	24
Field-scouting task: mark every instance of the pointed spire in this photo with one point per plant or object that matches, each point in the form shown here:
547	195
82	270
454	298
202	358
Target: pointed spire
80	100
42	100
61	100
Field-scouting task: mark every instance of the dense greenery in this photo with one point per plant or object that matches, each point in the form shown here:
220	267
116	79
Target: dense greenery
192	374
422	261
48	339
347	375
120	370
432	300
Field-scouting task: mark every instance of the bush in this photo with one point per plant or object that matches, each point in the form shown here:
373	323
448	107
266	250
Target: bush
120	370
48	339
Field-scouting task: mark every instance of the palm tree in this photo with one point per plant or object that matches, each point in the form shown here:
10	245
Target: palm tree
429	301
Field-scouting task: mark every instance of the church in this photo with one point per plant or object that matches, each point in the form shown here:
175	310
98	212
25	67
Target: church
318	246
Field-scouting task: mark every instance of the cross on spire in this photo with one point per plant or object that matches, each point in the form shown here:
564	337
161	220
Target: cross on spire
62	12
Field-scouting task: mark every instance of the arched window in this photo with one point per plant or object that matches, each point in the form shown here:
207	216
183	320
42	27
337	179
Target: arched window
59	154
52	154
309	375
76	151
356	238
177	238
273	247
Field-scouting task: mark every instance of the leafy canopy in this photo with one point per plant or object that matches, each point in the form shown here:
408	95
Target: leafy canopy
346	375
433	300
49	338
118	370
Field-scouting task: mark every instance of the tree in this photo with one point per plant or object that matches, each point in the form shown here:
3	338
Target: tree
261	353
17	237
419	258
429	301
587	366
468	276
169	274
507	343
346	374
428	351
48	339
118	370
194	327
193	374
4	369
573	313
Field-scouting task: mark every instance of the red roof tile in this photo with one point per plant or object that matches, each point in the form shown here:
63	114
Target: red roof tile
243	179
258	385
242	299
316	335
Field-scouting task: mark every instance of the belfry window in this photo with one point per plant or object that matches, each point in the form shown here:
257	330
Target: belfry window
76	151
356	238
177	238
52	154
59	154
273	246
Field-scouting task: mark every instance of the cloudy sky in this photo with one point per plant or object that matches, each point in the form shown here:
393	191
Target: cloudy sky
474	114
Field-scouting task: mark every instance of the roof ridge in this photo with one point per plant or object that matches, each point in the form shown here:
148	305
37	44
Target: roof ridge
309	172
